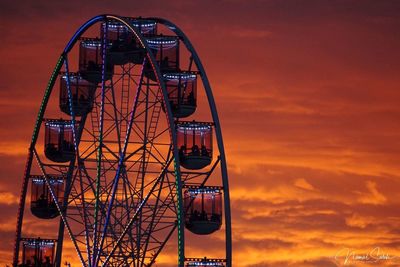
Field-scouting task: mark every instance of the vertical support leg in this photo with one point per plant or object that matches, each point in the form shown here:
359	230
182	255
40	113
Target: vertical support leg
180	211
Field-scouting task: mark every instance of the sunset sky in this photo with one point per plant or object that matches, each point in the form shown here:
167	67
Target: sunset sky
308	96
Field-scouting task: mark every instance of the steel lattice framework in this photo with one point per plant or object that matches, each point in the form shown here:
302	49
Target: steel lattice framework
122	200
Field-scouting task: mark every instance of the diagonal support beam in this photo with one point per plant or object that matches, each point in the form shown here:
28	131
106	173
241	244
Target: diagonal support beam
121	162
137	212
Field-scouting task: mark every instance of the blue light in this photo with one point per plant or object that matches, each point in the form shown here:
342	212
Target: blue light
80	31
144	23
194	127
72	77
203	191
52	181
59	124
164	42
205	264
91	43
39	243
182	76
115	25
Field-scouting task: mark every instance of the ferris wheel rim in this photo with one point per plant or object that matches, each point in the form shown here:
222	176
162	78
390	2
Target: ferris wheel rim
161	83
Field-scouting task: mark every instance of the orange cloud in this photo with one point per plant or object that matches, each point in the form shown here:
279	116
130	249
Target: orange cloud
373	196
303	184
8	198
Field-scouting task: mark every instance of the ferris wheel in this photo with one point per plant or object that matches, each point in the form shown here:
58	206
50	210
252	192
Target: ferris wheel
126	156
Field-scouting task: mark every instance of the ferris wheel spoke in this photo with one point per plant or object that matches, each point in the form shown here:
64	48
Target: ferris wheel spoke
201	182
128	194
138	210
102	209
153	228
161	247
93	146
85	219
119	168
116	121
153	219
100	146
160	161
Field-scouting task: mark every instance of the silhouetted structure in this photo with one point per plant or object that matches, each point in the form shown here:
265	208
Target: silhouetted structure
82	93
42	203
126	178
91	60
37	252
166	52
59	140
195	144
125	47
203	206
182	93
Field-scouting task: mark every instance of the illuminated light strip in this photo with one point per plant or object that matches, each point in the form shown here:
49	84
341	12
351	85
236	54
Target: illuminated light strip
205	261
122	156
213	187
143	23
193	122
42	239
74	134
181	256
144	27
73	79
182	76
180	218
96	257
76	80
68	47
135	23
205	264
64	219
80	31
57	125
45	99
71	109
72	75
39	242
115	25
52	181
73	122
203	191
162	40
162	43
44	102
194	128
93	42
158	43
